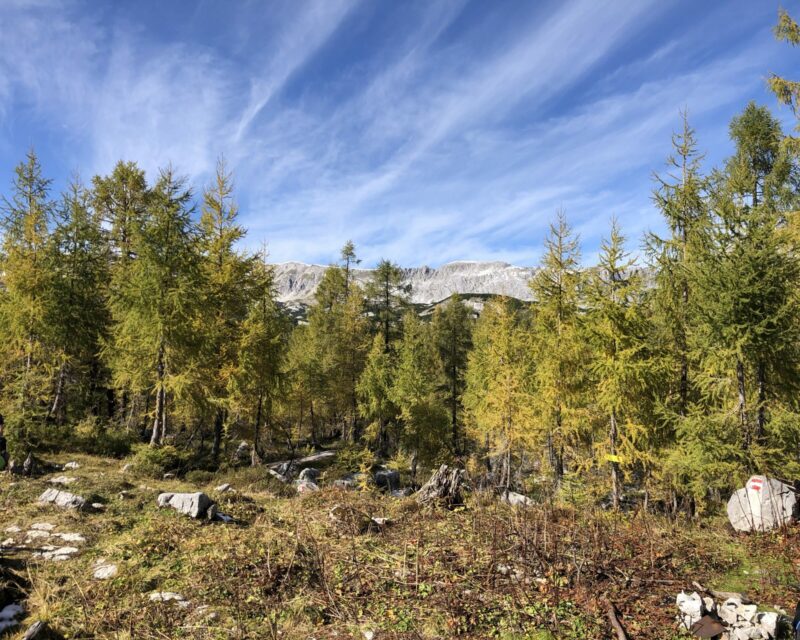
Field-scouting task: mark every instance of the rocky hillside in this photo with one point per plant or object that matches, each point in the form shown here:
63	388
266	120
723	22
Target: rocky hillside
296	282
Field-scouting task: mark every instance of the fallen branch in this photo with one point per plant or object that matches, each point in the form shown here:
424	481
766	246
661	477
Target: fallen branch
611	612
722	595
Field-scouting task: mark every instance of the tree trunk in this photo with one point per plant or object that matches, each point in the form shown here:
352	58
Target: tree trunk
217	444
159	426
257	431
762	401
740	382
615	489
56	411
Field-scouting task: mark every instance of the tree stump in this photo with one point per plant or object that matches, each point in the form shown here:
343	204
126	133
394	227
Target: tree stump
443	487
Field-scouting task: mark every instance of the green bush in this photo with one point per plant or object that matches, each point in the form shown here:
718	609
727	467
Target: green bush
199	476
154	462
96	437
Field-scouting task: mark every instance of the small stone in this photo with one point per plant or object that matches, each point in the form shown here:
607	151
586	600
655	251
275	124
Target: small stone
768	622
516	499
368	635
304	486
63	480
105	571
194	505
56	553
98	506
70	537
126	467
169	596
727	611
42	526
71	465
309	474
747	612
36	535
223	488
14	529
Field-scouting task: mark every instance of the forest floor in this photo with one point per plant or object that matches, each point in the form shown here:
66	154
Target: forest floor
285	569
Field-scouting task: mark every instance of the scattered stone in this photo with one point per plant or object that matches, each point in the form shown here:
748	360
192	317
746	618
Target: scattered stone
98	506
49	552
763	504
224	517
402	493
516	499
64	480
126	467
36	535
169	475
15	528
42	526
8	542
71	465
444	486
62	499
169	596
730	620
388	479
104	570
306	486
76	538
223	488
310	474
368	635
124	495
194	505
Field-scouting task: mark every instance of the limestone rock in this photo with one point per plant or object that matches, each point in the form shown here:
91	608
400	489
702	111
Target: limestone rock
71	466
223	488
763	504
105	570
306	486
169	596
62	499
63	480
516	499
194	505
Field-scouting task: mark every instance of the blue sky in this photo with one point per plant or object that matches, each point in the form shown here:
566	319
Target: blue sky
425	131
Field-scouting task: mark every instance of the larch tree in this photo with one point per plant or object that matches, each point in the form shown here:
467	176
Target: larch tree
622	366
415	392
681	198
27	300
152	347
558	346
227	288
375	394
500	388
387	298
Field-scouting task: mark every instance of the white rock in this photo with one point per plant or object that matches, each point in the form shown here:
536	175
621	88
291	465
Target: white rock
368	635
70	537
98	506
71	465
9	615
223	488
42	526
169	596
62	499
56	553
105	571
747	612
8	542
763	504
65	480
194	505
125	468
30	536
728	610
13	529
517	499
768	621
690	604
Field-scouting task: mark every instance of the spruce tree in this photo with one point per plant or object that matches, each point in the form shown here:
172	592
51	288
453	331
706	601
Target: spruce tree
452	328
387	298
375	394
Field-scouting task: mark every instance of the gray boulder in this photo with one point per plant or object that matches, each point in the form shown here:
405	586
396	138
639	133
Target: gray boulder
194	505
306	486
310	474
62	499
388	479
350	481
763	504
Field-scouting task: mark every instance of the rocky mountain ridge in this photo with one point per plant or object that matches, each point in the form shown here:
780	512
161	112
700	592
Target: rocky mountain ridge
296	282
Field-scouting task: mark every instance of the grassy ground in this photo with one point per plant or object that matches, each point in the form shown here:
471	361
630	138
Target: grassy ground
286	570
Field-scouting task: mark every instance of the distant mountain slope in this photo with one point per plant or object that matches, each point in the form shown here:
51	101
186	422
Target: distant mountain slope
296	282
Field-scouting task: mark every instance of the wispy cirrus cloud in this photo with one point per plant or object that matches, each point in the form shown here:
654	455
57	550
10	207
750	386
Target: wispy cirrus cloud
425	131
